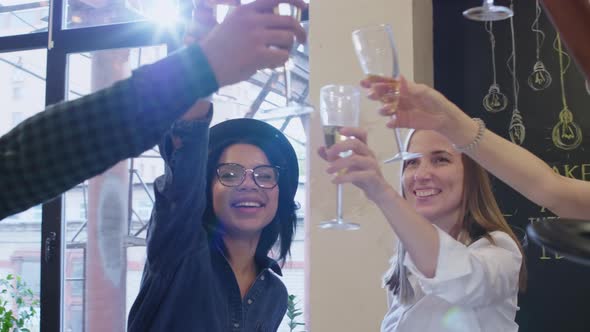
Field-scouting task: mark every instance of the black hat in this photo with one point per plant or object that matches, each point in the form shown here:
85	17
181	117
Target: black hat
269	139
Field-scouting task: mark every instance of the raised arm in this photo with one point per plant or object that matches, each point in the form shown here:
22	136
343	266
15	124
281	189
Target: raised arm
72	141
175	226
362	169
422	107
522	170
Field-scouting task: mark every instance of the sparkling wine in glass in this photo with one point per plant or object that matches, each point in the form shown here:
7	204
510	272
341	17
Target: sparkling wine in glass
393	90
297	63
339	107
377	55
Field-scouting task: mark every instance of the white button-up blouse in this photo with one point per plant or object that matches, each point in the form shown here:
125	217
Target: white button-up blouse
474	289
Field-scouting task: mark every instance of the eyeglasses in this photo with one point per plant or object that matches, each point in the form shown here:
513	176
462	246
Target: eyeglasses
233	175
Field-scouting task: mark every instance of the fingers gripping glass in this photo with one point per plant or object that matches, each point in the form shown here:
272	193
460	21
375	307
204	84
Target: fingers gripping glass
233	175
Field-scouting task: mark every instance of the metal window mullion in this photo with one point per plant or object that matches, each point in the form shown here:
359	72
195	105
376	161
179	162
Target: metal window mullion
52	268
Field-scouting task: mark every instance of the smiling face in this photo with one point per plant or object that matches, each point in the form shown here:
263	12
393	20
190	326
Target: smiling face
245	209
433	183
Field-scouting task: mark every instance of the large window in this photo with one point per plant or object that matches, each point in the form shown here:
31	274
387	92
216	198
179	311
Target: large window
93	280
23	16
20	235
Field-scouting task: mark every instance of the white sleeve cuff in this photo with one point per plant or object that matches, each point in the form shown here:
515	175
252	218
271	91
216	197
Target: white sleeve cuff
453	262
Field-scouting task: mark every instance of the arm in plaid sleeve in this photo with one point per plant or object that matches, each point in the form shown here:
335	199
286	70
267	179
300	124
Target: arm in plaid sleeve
69	142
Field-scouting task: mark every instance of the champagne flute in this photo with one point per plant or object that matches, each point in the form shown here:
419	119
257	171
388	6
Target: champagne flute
376	52
339	107
222	8
286	9
297	53
296	93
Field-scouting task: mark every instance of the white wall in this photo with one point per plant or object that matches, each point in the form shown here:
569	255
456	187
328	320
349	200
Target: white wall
344	269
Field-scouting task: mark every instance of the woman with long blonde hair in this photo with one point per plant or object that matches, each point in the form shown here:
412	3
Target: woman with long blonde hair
458	266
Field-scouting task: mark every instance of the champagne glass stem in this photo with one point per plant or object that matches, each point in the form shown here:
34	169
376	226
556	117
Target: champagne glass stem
287	78
397	140
339	216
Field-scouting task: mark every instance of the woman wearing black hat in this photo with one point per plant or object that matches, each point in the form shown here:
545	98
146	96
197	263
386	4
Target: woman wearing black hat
226	199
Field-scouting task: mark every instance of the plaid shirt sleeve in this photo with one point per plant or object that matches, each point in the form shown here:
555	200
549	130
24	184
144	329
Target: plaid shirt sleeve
69	142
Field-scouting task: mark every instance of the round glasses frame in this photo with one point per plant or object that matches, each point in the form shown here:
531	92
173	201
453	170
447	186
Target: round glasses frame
276	171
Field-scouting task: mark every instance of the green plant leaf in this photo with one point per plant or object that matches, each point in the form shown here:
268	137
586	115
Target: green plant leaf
293	312
25	300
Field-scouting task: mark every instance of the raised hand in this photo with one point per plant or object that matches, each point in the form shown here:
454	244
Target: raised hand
415	106
251	38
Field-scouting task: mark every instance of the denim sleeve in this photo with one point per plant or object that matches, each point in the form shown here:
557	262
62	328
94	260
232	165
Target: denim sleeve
175	227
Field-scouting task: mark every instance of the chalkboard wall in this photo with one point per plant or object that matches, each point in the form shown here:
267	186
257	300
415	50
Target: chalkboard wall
558	290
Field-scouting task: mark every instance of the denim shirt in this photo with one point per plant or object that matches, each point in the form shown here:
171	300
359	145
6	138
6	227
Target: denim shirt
188	284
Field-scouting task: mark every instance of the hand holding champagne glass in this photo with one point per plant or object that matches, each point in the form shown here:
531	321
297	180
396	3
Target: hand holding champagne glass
376	52
218	11
339	107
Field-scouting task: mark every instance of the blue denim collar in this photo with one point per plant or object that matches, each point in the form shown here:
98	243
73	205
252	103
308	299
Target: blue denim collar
262	262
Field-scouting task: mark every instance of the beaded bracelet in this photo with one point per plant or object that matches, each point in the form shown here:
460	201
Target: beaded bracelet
481	127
